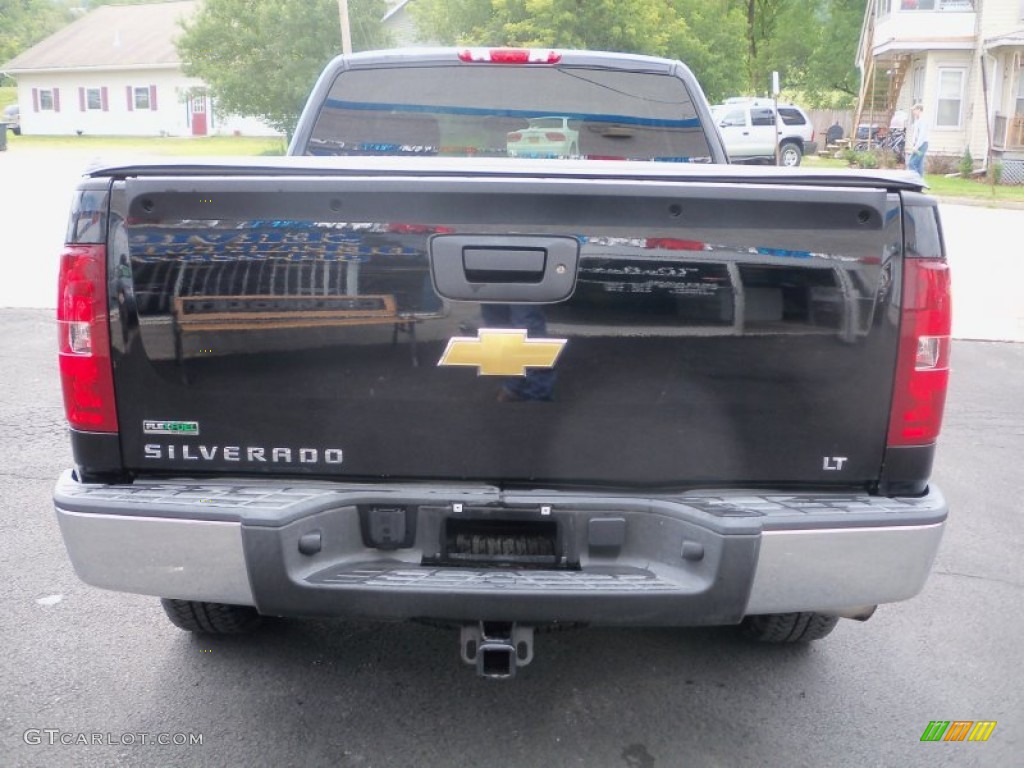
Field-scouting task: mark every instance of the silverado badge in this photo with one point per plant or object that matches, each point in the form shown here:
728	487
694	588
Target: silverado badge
502	352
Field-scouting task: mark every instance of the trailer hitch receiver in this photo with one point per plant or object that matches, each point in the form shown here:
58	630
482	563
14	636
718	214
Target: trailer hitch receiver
496	648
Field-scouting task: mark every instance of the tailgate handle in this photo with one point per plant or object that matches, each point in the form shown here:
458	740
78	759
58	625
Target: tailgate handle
517	268
504	265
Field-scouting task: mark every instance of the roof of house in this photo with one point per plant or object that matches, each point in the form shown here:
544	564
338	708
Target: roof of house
394	7
110	36
1010	39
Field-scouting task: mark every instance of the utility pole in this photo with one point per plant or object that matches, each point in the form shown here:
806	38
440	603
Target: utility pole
346	30
775	110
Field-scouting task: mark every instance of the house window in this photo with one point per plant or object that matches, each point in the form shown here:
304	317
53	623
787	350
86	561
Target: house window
882	8
950	102
46	100
1020	93
936	5
93	99
142	98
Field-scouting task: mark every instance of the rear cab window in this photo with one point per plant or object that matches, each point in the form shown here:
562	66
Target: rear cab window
484	110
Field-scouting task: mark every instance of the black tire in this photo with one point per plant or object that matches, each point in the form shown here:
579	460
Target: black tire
211	618
790	154
17	130
788	627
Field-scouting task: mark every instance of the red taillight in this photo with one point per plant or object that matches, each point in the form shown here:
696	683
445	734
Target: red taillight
555	136
84	339
509	56
514	137
922	368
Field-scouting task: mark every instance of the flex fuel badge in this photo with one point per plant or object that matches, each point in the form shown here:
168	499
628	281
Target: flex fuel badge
183	428
502	352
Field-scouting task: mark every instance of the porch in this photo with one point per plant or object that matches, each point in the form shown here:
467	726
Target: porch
1008	132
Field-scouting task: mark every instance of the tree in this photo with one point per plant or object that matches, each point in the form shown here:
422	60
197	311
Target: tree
810	43
262	57
831	79
731	45
26	22
707	35
713	46
610	25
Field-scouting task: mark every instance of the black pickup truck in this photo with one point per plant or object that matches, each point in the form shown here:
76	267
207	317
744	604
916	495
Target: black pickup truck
504	343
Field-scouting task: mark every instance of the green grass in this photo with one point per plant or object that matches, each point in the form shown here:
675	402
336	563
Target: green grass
943	187
816	161
187	146
940	186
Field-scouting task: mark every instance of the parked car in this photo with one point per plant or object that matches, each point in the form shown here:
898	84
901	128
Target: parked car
751	132
12	118
544	137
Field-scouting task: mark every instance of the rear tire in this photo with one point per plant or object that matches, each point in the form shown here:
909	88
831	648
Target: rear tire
790	154
211	618
788	627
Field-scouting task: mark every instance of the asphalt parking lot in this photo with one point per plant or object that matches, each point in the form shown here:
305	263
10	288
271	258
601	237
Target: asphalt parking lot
83	664
82	661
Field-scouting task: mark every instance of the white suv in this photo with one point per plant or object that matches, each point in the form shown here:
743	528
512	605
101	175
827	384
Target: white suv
750	131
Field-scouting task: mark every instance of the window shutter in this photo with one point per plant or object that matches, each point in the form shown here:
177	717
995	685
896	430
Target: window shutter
56	99
152	97
129	100
103	98
81	99
35	99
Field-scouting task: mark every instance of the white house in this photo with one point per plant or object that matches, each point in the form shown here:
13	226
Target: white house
115	71
963	60
400	23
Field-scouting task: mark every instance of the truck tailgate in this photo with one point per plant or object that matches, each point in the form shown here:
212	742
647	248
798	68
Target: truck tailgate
710	333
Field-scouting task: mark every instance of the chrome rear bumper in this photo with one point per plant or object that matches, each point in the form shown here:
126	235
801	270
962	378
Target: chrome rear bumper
693	559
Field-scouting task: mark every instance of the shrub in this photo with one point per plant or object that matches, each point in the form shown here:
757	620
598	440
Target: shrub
941	164
966	166
995	173
887	158
867	159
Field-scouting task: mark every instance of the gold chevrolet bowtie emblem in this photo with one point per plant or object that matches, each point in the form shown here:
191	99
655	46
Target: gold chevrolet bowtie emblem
502	352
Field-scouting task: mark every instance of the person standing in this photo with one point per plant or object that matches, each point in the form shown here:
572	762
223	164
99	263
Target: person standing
918	141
